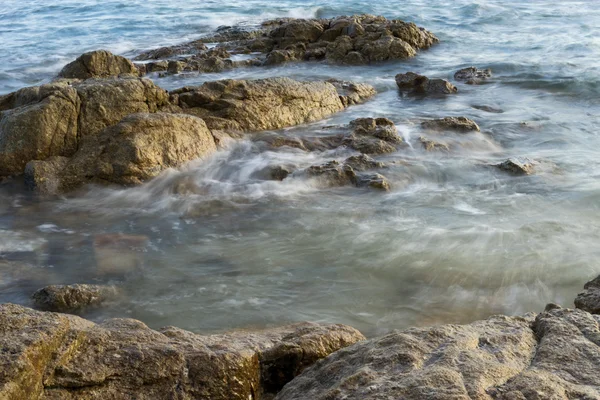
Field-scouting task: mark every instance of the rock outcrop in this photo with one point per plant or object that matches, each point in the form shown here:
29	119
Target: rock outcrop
40	122
98	64
350	172
473	75
517	166
136	149
551	356
48	355
262	104
422	85
358	39
455	124
373	136
73	298
589	299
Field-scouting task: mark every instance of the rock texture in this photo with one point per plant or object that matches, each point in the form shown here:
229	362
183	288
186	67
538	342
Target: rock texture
554	356
37	123
136	149
59	356
422	85
98	64
455	124
73	298
589	299
358	39
256	105
473	75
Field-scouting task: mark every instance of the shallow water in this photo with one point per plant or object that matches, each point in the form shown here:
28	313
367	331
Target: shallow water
455	240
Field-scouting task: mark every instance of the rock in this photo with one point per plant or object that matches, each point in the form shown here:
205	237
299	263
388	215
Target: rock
46	121
363	162
37	123
354	40
431	145
119	254
373	136
589	299
353	93
553	356
49	355
263	104
456	124
44	176
472	75
374	181
334	173
279	172
135	150
73	298
517	167
420	84
98	64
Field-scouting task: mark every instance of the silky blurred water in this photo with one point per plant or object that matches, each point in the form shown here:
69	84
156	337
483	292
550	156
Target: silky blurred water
455	240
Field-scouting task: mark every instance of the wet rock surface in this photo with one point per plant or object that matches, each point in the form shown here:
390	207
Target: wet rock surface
49	355
516	166
73	298
98	64
373	136
350	172
413	83
473	75
589	299
358	39
455	124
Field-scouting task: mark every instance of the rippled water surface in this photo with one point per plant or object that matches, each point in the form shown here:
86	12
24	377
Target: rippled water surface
453	241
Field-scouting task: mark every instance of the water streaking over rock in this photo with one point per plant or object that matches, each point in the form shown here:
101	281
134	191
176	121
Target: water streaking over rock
249	237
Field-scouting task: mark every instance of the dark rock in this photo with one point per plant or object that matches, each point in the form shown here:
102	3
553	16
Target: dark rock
472	75
49	355
334	173
374	181
517	167
420	84
489	109
589	299
432	145
73	298
98	64
363	162
456	124
373	136
44	176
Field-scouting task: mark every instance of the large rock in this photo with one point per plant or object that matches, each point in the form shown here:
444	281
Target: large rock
358	39
589	299
37	123
136	149
98	64
60	356
422	85
263	104
554	356
73	298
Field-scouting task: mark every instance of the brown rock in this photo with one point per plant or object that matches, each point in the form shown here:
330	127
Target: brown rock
472	75
73	298
98	64
456	124
420	84
516	167
431	145
373	136
589	299
48	355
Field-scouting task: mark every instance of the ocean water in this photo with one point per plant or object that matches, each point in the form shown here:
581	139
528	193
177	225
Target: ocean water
453	241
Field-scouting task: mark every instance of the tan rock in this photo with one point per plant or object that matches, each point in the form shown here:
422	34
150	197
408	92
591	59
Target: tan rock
98	64
455	124
73	298
420	84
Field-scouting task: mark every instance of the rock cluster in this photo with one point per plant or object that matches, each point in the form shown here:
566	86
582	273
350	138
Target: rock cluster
358	39
48	355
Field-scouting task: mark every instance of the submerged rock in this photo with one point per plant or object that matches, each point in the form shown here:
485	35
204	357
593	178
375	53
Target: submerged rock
73	298
118	255
98	64
516	166
420	84
589	299
472	75
432	145
256	105
48	355
136	149
349	172
456	124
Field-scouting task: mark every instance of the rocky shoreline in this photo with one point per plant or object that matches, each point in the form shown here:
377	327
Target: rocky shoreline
102	121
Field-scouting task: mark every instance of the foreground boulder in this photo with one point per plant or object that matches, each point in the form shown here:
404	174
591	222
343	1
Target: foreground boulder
73	298
553	356
48	355
422	85
50	120
358	39
136	149
262	104
98	64
589	299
